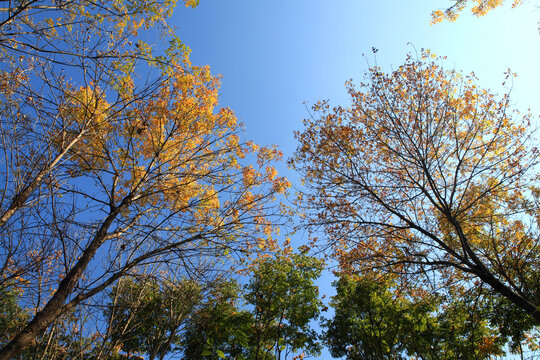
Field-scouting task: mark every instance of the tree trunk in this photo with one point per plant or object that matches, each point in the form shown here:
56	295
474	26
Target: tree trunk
56	306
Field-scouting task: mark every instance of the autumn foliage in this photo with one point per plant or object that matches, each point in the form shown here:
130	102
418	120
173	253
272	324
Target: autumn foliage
127	188
118	159
479	8
429	179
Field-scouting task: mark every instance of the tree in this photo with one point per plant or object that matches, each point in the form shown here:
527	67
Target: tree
429	177
106	173
147	317
279	302
374	320
285	300
367	323
480	8
65	337
219	327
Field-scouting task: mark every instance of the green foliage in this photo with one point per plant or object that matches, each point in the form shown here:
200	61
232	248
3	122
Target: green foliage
218	327
375	320
146	316
12	316
283	301
512	323
368	323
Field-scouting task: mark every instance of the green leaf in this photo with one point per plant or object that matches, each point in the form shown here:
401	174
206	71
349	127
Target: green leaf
220	353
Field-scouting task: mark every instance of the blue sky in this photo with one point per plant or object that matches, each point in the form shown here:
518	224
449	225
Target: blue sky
275	56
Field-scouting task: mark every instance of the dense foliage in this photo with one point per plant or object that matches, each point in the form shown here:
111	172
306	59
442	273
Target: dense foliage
376	319
136	221
283	302
118	160
430	177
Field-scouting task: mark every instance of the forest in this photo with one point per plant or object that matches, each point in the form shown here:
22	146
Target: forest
139	221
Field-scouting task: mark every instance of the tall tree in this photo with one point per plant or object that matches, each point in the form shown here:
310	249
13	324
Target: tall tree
428	176
269	319
285	300
219	326
147	317
373	319
116	157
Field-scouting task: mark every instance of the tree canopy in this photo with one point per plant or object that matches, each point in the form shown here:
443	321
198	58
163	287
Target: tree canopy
428	176
131	202
270	318
117	158
146	316
375	319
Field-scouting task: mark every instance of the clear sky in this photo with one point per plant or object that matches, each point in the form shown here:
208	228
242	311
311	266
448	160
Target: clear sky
276	55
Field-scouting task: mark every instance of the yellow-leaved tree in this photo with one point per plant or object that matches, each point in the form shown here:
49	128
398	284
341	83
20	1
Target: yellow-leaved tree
429	179
116	159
